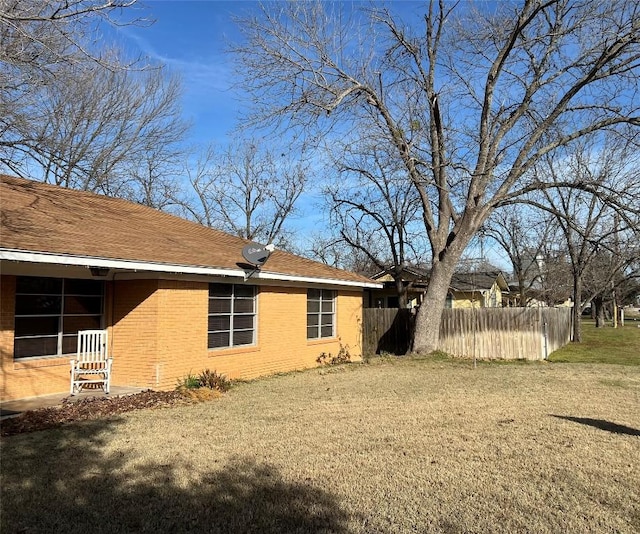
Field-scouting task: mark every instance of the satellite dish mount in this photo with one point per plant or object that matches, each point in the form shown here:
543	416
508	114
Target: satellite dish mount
256	255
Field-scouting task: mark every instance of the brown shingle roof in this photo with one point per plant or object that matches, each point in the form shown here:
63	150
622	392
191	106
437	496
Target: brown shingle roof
38	217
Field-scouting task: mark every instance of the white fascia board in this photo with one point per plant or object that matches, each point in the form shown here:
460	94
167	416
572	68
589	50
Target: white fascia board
129	265
262	275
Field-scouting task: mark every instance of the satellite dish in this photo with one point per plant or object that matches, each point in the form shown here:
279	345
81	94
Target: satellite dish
257	254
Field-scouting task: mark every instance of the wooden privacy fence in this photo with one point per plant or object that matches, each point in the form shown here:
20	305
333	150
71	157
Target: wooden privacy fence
386	330
486	333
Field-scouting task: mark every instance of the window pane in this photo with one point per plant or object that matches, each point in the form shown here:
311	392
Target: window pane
40	346
83	287
244	291
244	337
243	306
71	324
70	344
326	331
313	294
313	306
220	290
327	319
83	305
327	294
33	326
34	285
219	305
312	319
242	322
327	306
219	339
38	305
218	322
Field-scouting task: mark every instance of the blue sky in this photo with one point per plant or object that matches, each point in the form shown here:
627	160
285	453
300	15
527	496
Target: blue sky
190	38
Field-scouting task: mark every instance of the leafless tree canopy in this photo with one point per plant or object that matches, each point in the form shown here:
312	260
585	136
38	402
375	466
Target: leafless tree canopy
468	98
599	232
39	35
247	190
374	210
524	234
94	129
75	112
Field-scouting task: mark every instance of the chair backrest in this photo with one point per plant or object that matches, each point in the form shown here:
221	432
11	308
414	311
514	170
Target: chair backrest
92	346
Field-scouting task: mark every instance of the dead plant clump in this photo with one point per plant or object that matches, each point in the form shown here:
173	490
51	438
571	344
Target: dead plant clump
98	407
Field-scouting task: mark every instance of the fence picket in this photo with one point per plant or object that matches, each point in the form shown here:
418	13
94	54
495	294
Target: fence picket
487	333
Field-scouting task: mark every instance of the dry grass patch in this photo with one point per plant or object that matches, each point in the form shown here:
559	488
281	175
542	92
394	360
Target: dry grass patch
399	446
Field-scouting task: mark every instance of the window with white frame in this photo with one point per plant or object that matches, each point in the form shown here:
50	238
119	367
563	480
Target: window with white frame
232	315
50	311
321	308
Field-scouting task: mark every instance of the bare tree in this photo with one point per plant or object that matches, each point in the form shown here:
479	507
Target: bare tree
41	38
39	35
556	280
334	251
523	233
247	191
375	211
77	113
95	128
599	230
467	99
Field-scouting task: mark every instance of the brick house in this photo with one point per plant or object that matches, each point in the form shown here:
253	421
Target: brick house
175	297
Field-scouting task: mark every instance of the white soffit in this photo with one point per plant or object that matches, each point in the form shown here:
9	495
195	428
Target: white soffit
137	266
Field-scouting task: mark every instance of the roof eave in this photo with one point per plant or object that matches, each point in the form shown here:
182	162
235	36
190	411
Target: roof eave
133	265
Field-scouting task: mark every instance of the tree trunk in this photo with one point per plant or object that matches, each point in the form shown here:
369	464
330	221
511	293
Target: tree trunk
598	304
577	312
402	293
427	330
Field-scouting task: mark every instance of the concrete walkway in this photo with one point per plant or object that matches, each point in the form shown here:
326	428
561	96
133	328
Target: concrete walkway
16	407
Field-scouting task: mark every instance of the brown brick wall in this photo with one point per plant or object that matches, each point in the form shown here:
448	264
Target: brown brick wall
133	311
182	331
282	335
159	335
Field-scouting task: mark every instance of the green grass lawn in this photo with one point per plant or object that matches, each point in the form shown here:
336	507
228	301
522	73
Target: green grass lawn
603	345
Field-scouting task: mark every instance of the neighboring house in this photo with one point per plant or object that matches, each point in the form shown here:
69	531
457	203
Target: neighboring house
533	298
474	289
414	281
175	297
477	290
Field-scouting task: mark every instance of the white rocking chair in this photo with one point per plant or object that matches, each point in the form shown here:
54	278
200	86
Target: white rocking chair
91	364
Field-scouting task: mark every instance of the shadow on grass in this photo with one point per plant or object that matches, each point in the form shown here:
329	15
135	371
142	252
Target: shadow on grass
60	481
601	424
